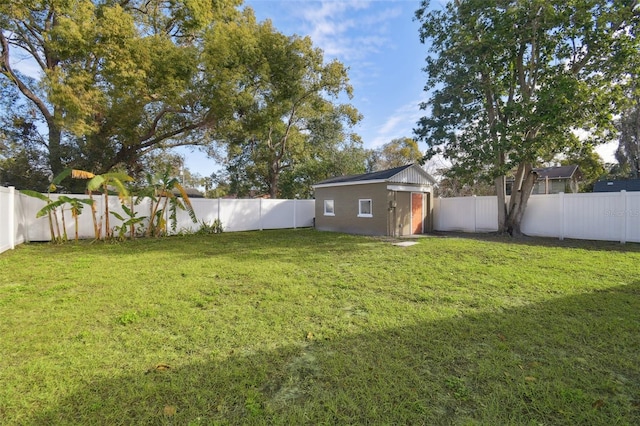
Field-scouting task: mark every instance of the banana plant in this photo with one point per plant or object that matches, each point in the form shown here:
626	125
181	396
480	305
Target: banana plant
82	174
103	182
75	206
50	211
162	192
52	206
129	222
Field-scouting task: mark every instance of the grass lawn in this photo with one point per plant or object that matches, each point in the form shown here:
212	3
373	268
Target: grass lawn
304	327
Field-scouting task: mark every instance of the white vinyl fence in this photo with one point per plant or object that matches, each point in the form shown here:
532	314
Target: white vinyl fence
596	216
608	216
12	223
18	222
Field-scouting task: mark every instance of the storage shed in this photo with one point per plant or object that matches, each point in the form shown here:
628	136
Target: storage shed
392	202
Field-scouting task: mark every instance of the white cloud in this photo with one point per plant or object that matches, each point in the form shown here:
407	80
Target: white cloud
607	151
399	124
337	27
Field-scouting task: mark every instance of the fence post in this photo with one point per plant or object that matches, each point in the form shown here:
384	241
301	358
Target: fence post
561	201
12	217
625	217
260	213
218	209
294	213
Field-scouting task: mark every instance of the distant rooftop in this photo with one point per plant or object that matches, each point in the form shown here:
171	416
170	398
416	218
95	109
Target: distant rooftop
557	172
617	185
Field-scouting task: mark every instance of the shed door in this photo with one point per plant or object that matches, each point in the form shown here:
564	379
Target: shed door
416	213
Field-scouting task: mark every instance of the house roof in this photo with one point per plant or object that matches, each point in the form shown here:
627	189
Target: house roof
191	192
558	172
410	173
617	185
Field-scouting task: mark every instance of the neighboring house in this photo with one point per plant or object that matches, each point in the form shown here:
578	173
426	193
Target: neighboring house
617	185
553	180
392	202
191	192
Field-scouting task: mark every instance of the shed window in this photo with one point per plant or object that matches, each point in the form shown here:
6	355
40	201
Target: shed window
364	208
328	208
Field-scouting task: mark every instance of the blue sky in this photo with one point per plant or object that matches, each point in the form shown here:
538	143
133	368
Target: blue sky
377	40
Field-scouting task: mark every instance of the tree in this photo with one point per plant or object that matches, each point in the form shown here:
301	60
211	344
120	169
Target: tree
290	103
589	164
347	159
118	79
396	153
511	80
628	152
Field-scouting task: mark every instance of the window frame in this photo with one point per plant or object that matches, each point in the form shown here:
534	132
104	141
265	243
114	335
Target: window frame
360	213
333	208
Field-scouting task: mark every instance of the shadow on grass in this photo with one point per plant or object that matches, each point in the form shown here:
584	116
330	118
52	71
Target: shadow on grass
571	360
543	242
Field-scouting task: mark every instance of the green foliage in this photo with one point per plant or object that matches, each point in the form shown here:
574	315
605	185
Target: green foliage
628	152
51	208
509	82
396	153
289	114
119	78
589	163
167	196
130	222
213	228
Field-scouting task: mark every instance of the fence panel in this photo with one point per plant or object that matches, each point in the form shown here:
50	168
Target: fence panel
588	216
305	213
632	217
7	218
456	214
466	214
486	214
543	216
19	226
235	215
593	216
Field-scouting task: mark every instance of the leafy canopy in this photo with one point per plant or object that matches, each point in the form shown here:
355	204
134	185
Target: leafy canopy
511	80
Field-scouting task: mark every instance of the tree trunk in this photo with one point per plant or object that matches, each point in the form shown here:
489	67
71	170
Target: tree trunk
502	203
55	148
520	193
274	177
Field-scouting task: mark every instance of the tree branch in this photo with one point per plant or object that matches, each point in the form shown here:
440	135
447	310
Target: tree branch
5	69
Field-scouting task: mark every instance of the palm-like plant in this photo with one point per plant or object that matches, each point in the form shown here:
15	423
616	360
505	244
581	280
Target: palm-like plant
52	206
103	182
162	192
75	205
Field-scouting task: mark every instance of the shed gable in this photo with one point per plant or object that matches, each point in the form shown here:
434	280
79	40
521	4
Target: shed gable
412	175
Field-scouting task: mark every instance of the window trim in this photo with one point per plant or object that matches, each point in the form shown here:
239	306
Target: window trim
333	208
360	214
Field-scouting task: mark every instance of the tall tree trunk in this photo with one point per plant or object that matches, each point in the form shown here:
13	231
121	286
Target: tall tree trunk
274	178
502	203
520	193
500	184
55	145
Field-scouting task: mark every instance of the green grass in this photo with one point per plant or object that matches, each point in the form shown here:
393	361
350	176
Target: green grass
303	327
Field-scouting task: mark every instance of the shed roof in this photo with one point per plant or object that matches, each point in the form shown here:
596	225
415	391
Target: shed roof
558	172
617	185
410	173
